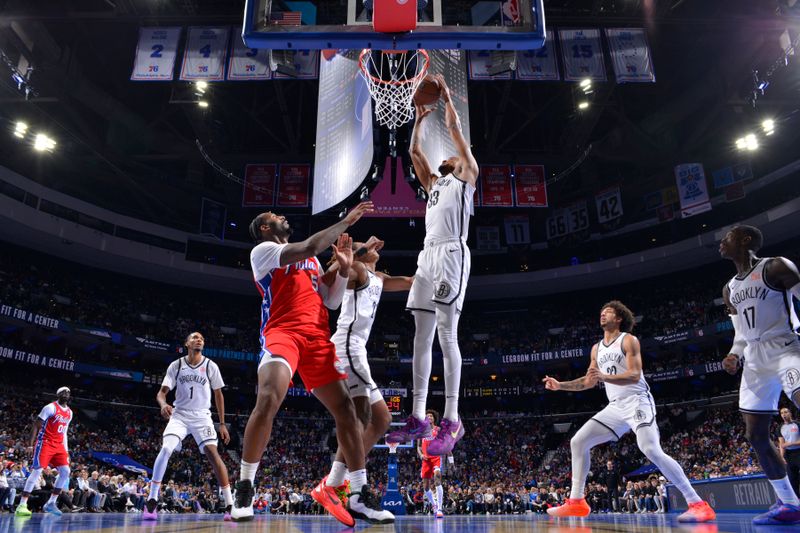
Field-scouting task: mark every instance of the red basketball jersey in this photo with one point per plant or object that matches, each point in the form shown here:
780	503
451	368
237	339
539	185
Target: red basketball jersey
291	298
427	441
56	424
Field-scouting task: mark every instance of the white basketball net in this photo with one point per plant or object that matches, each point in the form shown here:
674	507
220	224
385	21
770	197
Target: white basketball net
393	446
393	78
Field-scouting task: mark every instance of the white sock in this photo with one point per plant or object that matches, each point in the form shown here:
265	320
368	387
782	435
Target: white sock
347	475
451	355
431	499
248	471
784	490
439	496
226	494
155	489
336	475
23	500
53	498
649	442
591	434
357	480
425	328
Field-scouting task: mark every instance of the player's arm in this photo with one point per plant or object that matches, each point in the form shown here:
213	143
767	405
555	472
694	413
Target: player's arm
782	274
320	241
219	401
782	446
469	167
419	449
161	398
731	361
396	283
633	357
422	167
332	289
37	427
582	383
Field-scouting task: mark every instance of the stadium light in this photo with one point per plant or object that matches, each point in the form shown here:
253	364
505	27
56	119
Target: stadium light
202	103
20	130
43	143
751	142
583	105
586	83
768	126
201	86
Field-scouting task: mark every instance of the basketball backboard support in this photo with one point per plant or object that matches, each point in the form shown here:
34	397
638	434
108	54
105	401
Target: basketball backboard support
442	24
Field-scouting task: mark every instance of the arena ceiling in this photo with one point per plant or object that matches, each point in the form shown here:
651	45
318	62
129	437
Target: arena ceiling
131	146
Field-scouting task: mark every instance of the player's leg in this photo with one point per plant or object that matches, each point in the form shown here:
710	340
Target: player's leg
61	463
30	486
427	476
171	440
221	473
439	494
338	474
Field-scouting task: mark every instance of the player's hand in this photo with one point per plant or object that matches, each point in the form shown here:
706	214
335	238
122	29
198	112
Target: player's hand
731	363
166	411
374	243
422	112
594	375
443	87
223	433
343	252
551	383
358	211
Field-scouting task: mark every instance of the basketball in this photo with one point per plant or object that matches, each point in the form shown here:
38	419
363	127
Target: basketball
428	91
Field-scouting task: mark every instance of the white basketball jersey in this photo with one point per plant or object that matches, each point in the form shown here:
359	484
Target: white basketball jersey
358	313
611	360
450	204
193	384
765	312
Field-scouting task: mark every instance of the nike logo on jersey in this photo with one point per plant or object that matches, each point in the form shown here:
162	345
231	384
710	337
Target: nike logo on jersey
790	342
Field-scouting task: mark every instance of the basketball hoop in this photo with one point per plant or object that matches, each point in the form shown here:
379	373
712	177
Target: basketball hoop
392	78
393	446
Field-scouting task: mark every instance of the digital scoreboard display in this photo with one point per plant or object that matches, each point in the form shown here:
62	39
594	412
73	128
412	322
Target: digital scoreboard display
394	403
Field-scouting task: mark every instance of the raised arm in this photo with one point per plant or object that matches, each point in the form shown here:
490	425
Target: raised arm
469	167
320	241
332	289
422	166
395	283
582	383
633	357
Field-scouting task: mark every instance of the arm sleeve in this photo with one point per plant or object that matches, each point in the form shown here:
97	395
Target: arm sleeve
266	257
47	411
738	339
169	377
332	296
215	376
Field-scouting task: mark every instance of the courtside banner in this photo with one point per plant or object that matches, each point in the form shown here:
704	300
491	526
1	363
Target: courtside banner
541	64
306	65
630	55
530	187
204	56
155	54
692	189
247	64
293	181
582	55
480	66
259	185
496	189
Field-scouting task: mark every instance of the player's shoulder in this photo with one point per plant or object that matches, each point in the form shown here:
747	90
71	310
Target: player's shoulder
212	364
265	248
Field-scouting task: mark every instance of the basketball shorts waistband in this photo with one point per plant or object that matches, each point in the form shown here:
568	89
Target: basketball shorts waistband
431	243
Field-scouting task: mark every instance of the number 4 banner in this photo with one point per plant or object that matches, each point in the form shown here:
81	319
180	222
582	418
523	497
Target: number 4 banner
609	205
155	54
582	53
204	57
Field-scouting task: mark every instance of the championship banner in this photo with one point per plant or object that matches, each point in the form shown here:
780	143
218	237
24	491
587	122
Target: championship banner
582	55
630	55
541	64
518	229
293	181
480	64
530	186
246	63
496	190
155	54
692	189
609	205
306	66
259	185
204	56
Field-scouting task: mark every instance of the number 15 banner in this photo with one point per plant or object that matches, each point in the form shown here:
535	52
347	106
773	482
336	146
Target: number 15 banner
155	54
582	53
204	57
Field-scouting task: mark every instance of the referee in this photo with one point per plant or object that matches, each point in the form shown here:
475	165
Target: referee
789	443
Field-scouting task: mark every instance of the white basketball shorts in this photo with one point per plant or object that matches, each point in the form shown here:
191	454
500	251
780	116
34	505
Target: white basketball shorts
770	366
441	277
198	423
625	414
356	366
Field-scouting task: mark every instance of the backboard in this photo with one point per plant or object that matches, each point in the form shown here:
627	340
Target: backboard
441	24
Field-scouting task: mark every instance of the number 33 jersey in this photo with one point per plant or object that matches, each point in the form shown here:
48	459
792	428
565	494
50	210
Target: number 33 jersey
193	384
764	312
611	360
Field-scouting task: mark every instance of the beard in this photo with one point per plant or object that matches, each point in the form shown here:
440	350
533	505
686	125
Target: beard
64	401
445	169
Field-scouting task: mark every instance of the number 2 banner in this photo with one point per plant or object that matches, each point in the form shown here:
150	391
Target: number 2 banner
204	57
155	54
582	53
247	63
496	188
609	205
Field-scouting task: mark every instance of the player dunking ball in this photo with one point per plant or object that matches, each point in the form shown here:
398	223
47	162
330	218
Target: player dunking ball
759	300
431	466
295	337
359	305
194	378
49	447
617	362
440	282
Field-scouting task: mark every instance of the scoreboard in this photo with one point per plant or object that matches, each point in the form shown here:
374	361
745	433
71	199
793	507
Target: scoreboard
394	403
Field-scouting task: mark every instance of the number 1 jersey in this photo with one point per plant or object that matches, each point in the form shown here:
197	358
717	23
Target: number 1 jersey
193	384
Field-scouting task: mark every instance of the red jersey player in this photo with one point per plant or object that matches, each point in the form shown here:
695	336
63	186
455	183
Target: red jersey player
295	337
431	466
49	444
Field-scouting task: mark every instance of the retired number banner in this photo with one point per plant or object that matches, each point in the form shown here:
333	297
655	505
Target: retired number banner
609	205
541	64
155	54
293	184
630	55
496	190
259	185
480	63
530	186
204	57
582	55
692	189
247	63
306	64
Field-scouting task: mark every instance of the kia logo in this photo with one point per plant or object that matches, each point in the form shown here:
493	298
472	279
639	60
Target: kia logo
394	503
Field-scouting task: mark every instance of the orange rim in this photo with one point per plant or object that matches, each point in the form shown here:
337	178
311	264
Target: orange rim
376	80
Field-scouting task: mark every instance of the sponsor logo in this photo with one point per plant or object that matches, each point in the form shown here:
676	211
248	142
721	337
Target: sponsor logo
392	503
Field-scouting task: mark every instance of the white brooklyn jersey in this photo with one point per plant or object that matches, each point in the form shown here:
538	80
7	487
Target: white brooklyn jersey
193	384
611	360
358	314
764	312
450	204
